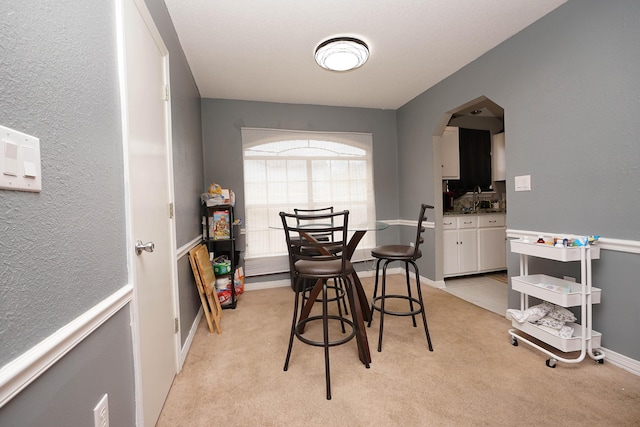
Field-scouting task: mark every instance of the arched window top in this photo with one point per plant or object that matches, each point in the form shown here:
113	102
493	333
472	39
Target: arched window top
281	142
304	148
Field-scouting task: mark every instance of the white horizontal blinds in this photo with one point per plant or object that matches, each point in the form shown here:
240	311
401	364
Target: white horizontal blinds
286	169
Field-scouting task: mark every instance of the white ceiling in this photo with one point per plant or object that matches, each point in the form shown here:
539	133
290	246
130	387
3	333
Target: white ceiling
263	50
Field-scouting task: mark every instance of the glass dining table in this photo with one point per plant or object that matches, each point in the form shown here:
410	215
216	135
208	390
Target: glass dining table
360	300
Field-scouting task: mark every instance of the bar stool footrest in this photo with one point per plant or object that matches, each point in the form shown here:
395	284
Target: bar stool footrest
337	289
333	343
398	313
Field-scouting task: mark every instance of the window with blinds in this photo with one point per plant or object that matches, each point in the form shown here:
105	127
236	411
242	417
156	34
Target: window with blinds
284	170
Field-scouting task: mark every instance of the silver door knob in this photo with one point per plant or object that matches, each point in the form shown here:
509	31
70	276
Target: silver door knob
144	247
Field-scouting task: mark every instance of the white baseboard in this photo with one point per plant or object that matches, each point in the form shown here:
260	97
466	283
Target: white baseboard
187	344
267	285
622	361
26	368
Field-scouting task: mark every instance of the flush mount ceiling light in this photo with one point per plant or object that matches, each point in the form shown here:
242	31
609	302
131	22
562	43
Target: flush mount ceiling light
342	54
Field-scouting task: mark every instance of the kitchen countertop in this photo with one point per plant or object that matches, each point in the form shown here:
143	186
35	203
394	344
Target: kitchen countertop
476	212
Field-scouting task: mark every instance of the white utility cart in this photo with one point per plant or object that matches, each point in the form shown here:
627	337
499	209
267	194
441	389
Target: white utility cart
560	292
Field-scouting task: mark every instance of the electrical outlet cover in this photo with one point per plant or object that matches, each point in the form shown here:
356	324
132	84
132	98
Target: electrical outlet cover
101	412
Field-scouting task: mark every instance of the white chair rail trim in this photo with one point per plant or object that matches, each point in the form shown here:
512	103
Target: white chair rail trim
26	368
409	223
184	250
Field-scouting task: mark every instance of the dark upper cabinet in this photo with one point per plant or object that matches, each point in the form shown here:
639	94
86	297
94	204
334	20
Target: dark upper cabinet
475	161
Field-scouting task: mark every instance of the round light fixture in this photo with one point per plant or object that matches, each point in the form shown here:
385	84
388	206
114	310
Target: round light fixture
342	54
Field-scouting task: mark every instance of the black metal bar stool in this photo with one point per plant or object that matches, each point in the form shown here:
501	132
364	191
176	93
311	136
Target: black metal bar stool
319	261
408	255
327	236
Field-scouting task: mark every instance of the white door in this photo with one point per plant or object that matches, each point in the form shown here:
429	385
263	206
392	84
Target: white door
148	153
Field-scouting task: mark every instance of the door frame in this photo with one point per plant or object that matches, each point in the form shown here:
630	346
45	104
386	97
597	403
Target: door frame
130	245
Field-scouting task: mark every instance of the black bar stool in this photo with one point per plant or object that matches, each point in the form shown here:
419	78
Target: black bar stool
408	255
318	261
327	236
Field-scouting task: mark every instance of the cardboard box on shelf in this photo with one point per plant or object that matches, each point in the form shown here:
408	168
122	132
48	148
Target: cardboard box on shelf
221	225
228	198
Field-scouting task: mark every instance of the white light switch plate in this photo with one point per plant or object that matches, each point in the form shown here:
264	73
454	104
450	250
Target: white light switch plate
523	183
19	161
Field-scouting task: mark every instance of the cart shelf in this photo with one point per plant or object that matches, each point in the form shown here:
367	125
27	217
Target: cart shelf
563	344
549	288
541	250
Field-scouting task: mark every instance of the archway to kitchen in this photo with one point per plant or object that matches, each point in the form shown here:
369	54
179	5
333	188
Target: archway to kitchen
470	235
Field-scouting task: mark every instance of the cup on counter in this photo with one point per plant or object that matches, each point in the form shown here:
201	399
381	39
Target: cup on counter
495	205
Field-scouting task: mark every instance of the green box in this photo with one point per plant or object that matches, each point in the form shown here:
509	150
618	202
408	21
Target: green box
222	268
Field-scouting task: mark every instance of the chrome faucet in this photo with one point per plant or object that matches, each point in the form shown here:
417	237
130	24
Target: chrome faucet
476	190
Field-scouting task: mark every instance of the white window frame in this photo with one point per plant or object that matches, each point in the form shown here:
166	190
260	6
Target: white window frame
261	216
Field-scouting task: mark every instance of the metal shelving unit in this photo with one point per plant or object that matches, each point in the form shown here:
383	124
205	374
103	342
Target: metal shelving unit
222	242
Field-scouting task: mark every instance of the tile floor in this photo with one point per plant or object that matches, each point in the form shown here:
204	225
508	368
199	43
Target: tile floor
488	291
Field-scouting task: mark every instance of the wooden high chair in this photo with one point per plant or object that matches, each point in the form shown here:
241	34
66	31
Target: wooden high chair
205	281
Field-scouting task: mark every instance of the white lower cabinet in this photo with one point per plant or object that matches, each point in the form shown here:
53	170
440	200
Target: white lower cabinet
460	245
473	244
492	243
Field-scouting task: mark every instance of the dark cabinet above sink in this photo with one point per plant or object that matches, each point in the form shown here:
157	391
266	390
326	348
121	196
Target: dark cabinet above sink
475	161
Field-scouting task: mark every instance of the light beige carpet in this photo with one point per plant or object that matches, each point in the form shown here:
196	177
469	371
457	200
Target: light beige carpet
474	377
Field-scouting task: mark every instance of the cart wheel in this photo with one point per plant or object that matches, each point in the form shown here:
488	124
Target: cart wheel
596	353
514	342
551	363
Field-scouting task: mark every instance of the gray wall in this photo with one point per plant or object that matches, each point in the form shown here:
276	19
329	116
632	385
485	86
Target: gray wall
66	394
64	250
569	88
223	119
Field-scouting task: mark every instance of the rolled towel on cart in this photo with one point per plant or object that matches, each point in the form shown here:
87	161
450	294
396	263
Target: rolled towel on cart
532	314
